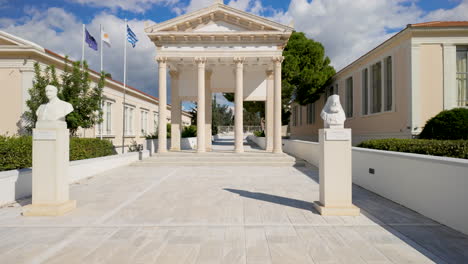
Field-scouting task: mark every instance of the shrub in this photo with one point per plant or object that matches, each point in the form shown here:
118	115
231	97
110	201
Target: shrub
87	148
448	124
259	133
189	131
16	152
447	148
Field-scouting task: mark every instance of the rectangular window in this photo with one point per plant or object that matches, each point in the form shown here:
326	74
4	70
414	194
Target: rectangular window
108	118
349	97
365	91
376	88
462	73
144	122
155	122
335	91
388	93
128	121
311	113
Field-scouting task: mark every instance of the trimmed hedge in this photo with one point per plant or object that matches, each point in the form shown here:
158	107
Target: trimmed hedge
189	131
16	152
446	148
448	124
259	133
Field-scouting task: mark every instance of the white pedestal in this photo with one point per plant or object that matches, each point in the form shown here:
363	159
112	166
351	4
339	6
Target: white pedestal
50	183
335	173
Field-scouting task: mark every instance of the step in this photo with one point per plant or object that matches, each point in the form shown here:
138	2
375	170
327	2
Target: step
214	164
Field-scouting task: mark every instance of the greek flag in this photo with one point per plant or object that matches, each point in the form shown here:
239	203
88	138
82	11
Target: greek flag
131	37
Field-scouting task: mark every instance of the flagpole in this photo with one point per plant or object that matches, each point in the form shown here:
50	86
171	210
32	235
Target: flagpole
125	85
102	48
83	48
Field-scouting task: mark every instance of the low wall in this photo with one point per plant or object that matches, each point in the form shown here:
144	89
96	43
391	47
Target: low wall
306	150
432	186
185	143
17	184
259	141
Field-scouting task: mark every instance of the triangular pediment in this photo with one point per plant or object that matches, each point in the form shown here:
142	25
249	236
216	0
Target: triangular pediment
10	40
217	18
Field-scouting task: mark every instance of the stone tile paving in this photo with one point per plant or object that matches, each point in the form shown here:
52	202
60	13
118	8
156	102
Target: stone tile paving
221	215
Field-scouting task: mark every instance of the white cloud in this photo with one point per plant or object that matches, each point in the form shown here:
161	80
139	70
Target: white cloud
459	12
61	32
349	28
137	6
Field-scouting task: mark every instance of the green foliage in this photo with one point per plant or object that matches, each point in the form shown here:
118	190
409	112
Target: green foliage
16	152
155	134
88	148
37	93
448	124
189	131
259	133
253	111
222	115
447	148
74	87
306	69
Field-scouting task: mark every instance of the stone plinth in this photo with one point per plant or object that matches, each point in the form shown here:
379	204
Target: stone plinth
50	183
335	173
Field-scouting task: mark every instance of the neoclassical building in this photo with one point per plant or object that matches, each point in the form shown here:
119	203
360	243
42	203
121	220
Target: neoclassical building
17	57
219	49
391	91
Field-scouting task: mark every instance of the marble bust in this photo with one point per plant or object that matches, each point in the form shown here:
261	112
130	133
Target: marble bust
332	113
55	109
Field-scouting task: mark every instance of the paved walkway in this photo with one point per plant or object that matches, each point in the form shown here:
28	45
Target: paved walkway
221	215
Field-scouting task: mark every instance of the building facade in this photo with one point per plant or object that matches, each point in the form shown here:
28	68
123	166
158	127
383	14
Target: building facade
17	57
221	49
393	90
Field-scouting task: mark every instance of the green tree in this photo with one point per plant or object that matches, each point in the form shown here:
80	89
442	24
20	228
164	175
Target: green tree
74	87
306	70
37	93
221	116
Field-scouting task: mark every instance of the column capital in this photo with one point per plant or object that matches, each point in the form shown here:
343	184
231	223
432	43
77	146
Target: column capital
174	74
278	59
200	61
161	59
239	60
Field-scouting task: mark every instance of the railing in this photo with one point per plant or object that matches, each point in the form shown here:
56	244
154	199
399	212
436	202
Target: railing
230	129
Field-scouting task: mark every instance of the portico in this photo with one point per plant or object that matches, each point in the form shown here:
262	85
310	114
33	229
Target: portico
219	49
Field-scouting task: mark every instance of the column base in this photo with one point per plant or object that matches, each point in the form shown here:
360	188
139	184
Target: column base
350	210
175	149
277	151
49	209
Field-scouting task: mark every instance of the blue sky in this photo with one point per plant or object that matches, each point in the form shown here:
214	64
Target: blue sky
346	28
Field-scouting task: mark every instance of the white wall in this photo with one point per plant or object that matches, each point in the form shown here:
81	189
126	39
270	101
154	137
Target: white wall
17	184
436	187
306	150
433	186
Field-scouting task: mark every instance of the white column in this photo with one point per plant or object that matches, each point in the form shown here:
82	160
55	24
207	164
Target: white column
176	113
201	147
162	130
208	110
450	76
269	112
277	143
239	106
